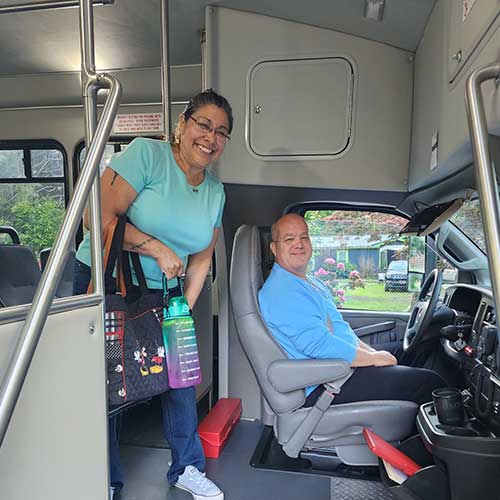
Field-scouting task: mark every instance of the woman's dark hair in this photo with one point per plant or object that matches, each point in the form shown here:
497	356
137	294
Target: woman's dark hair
206	97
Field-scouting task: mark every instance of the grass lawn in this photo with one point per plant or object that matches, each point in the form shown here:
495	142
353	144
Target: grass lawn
374	298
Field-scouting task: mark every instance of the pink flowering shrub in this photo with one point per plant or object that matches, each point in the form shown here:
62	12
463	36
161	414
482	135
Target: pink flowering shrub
355	280
327	273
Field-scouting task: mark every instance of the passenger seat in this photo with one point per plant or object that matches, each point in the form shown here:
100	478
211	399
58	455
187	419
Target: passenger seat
65	288
19	275
20	272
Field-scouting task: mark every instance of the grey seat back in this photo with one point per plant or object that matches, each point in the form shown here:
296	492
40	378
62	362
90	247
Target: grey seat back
19	275
65	287
259	346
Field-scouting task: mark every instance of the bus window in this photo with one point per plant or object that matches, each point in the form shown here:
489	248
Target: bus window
33	190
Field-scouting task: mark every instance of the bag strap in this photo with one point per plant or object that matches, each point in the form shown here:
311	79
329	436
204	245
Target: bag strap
124	263
111	241
115	250
139	273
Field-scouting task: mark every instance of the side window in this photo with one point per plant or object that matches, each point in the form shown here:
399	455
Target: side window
360	256
109	151
33	190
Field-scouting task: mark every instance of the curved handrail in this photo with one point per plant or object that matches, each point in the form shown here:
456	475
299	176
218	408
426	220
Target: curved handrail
484	169
14	235
37	316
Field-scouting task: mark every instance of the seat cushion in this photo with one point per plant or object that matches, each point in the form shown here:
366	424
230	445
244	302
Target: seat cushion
343	424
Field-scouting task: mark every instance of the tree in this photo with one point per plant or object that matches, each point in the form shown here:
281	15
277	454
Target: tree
376	225
37	222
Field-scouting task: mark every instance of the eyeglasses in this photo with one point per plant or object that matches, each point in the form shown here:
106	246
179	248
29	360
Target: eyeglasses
290	240
206	127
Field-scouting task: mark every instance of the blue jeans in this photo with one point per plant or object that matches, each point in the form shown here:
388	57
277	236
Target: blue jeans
180	420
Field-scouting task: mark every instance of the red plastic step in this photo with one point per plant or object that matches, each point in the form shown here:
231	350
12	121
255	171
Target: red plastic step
216	427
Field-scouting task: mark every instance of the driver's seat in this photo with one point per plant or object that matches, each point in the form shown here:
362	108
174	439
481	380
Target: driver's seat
336	428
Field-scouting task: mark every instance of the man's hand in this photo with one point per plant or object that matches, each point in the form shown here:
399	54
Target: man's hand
373	358
383	358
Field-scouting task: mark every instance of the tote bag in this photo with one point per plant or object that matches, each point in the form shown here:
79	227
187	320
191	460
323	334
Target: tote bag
135	353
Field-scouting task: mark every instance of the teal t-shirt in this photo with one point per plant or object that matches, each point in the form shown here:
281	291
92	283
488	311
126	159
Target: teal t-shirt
167	207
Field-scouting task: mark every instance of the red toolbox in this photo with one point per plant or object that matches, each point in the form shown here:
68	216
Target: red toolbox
216	427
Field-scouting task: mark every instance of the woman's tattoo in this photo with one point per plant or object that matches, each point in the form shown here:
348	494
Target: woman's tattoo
139	245
114	178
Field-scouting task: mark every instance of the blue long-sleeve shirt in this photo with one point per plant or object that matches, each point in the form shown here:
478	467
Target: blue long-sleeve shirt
302	317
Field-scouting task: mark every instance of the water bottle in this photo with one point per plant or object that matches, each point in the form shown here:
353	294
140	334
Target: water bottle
179	337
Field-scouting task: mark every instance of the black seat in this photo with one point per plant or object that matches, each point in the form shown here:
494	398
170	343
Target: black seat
19	275
65	287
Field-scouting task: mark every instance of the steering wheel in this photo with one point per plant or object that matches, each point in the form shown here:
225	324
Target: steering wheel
422	312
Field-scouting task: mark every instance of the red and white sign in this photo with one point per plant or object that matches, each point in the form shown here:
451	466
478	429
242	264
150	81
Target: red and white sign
139	123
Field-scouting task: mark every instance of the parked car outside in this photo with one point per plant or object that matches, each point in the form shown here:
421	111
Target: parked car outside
396	276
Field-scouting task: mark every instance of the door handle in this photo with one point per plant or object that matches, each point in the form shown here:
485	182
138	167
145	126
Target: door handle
386	326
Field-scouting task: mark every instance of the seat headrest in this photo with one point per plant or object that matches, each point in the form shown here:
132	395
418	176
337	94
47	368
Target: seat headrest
267	257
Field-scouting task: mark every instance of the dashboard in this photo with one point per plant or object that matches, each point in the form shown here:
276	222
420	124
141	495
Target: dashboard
472	342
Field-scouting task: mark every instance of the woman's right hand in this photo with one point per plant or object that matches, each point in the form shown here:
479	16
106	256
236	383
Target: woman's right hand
168	261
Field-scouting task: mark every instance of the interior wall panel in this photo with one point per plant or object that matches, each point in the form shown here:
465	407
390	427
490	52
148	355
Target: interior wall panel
60	89
440	107
381	134
57	440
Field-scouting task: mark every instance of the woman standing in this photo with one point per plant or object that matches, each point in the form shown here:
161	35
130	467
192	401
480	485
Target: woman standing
175	209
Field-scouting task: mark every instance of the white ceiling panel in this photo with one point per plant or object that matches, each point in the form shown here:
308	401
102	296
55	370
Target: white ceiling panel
44	41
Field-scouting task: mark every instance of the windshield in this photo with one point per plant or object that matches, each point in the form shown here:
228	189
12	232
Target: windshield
468	220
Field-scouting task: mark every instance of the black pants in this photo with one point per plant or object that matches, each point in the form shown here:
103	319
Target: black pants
370	383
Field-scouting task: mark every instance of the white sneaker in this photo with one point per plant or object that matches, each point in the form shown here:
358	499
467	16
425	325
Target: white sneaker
111	492
196	483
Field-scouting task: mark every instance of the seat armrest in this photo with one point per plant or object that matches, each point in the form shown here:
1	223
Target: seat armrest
288	375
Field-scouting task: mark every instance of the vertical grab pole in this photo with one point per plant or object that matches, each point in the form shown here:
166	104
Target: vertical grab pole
30	334
165	71
485	172
90	86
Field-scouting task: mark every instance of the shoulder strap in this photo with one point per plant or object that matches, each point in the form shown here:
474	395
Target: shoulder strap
113	235
115	249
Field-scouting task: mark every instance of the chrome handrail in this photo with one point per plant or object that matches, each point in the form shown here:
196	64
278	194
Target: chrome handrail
46	5
37	316
485	171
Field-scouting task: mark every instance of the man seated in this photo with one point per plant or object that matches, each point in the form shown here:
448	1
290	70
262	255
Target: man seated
300	313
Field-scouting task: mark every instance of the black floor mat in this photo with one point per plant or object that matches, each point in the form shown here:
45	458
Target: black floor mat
269	455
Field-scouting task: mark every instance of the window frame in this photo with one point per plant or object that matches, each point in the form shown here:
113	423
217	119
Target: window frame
26	146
